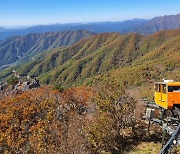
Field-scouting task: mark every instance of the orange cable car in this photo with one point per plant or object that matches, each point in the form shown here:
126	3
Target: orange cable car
167	94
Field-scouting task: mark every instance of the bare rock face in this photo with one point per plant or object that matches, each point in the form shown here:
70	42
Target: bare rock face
30	85
34	84
81	109
25	86
19	87
3	87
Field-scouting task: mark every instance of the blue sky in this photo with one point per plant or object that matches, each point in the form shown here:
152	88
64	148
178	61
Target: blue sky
33	12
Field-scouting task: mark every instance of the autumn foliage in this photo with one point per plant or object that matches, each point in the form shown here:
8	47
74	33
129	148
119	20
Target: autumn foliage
75	120
39	121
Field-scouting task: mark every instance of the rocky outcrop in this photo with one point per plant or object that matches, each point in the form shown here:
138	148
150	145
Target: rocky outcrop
30	85
20	87
3	87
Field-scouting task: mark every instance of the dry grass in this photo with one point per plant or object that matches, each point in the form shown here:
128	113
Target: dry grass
146	148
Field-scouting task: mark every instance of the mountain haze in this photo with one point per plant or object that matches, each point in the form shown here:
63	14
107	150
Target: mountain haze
140	26
97	27
2	29
160	23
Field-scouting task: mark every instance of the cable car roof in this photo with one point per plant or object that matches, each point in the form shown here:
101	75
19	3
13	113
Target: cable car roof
169	83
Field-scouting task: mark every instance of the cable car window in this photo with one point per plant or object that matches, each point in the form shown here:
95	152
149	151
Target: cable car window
173	88
170	89
164	88
176	89
156	87
159	87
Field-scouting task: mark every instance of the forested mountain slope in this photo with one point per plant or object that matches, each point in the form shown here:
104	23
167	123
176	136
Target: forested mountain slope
105	52
25	47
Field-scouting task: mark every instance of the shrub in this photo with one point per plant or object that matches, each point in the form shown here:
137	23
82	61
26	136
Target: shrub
13	81
59	88
117	117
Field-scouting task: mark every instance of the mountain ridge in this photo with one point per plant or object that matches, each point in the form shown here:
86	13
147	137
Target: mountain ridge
141	26
100	54
17	48
160	23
